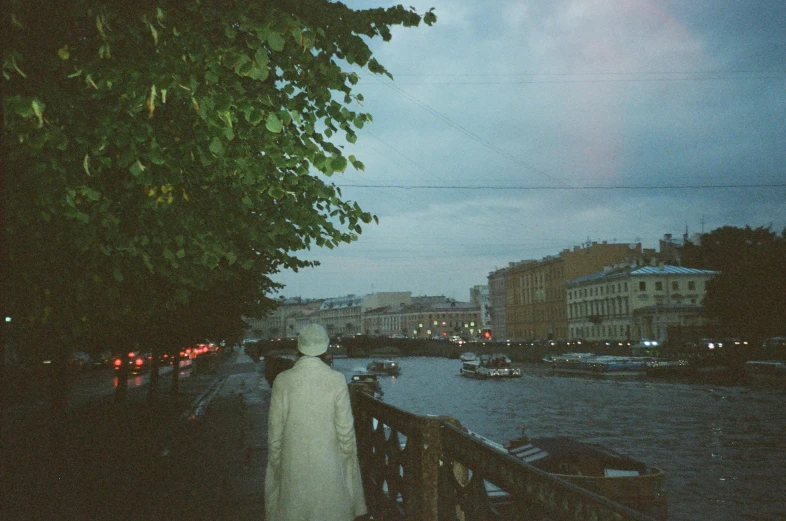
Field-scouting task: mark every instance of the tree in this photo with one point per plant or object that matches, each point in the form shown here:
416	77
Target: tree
156	150
749	295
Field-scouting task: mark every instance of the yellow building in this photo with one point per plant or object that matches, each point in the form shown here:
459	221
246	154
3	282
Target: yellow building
536	291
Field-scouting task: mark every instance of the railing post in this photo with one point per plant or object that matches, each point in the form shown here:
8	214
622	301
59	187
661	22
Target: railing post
423	500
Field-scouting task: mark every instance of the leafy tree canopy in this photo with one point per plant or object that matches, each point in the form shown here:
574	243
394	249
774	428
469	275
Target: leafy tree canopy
160	148
749	295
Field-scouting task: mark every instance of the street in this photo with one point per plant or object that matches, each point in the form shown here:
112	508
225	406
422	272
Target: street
197	455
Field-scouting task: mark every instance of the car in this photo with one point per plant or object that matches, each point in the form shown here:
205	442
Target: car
133	362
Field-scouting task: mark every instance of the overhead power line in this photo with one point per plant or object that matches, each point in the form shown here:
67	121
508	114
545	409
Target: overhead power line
617	187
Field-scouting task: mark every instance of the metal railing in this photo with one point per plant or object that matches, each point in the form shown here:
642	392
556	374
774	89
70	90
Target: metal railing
428	468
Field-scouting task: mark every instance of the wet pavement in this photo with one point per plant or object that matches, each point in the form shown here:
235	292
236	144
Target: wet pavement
197	455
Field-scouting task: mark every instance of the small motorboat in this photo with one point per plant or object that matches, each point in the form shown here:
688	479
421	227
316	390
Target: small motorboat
368	382
384	367
495	366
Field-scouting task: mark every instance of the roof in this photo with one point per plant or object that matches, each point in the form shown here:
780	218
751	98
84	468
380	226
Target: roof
665	269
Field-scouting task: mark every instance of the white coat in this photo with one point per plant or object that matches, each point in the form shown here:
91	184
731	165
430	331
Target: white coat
312	469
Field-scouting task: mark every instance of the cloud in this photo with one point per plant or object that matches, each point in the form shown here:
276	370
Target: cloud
516	114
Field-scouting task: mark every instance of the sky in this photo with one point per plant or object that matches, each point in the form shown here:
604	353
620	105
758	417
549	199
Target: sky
515	129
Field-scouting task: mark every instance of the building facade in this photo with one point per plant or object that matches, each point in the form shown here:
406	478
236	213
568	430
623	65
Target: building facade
496	285
630	302
433	319
282	322
479	295
345	315
536	291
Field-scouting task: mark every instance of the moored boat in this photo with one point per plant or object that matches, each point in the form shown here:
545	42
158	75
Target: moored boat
770	372
665	368
367	382
769	364
600	365
384	367
495	366
598	469
595	468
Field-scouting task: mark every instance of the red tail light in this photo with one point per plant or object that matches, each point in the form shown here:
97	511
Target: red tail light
139	361
118	362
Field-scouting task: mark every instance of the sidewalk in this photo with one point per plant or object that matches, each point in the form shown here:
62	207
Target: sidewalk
199	455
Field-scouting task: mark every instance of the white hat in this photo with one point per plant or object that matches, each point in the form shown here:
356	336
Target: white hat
313	340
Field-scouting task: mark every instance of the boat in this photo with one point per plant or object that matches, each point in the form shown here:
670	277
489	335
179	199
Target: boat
769	364
597	469
600	365
770	372
496	365
368	382
566	357
593	467
384	367
468	357
667	368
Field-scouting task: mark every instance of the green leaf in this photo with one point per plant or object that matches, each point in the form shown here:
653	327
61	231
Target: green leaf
156	156
261	58
259	73
216	147
273	124
231	257
247	201
338	163
90	194
275	41
137	168
180	253
118	275
210	260
255	116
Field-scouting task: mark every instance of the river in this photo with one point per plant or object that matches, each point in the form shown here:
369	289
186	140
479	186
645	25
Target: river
723	447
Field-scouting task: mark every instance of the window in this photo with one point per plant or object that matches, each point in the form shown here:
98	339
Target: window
675	285
658	286
642	286
692	285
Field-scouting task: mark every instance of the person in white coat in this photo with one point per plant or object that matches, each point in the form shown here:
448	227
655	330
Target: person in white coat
312	471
